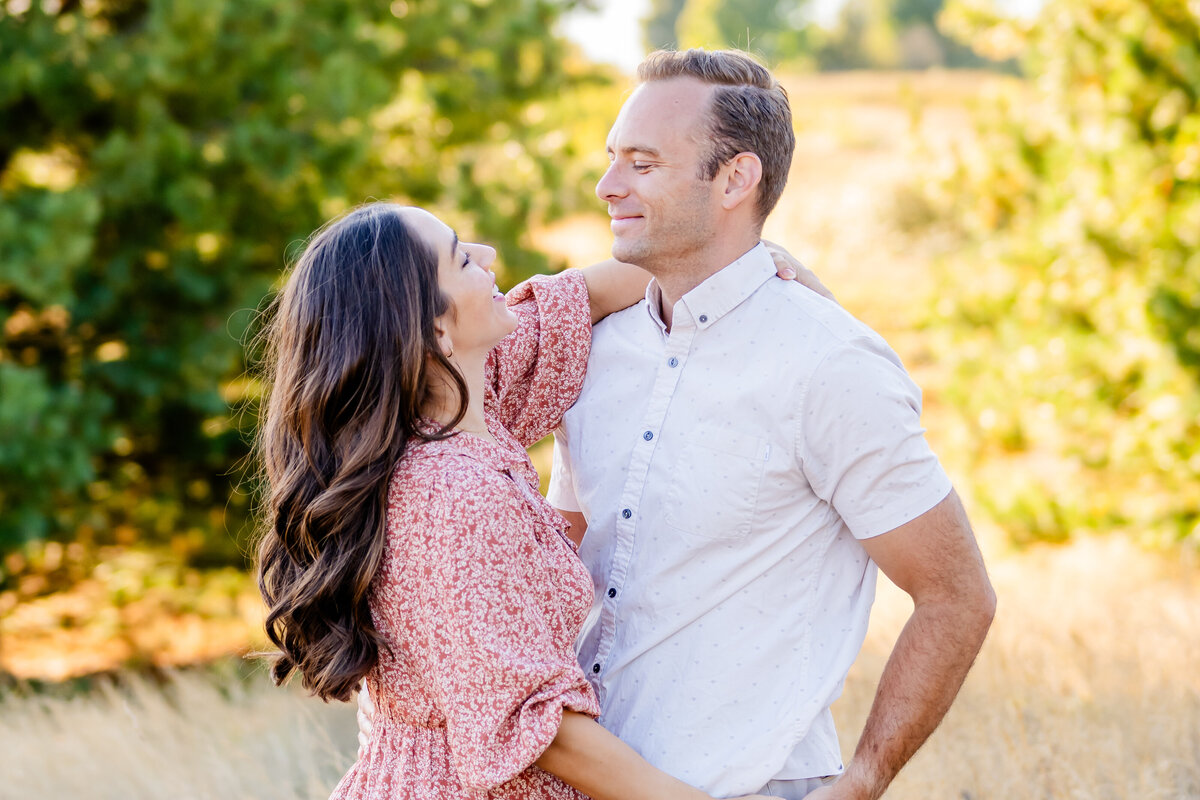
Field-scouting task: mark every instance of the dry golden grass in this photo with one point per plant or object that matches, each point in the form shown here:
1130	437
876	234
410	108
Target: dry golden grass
1087	688
203	736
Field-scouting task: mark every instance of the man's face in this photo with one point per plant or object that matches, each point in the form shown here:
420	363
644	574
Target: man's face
662	210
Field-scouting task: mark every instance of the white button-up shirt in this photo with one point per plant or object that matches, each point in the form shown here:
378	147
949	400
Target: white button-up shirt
727	470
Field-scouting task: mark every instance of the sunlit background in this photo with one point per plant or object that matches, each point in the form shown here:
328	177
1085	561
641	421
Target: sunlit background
1010	194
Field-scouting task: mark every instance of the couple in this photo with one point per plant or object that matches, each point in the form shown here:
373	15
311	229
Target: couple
741	453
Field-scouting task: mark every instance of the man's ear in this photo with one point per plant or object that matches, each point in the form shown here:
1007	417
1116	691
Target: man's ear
742	176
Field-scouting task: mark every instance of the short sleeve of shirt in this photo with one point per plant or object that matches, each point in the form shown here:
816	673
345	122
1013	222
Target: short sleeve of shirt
536	373
561	493
861	442
479	627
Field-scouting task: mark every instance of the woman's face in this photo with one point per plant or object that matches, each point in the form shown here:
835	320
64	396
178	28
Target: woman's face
478	317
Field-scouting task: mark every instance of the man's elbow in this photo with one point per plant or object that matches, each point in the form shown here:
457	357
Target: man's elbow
981	604
969	605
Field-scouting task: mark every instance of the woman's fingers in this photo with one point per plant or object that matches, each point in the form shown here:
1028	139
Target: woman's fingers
790	269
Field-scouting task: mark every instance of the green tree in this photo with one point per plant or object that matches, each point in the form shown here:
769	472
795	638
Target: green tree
157	162
893	34
886	34
863	37
659	25
1076	333
775	29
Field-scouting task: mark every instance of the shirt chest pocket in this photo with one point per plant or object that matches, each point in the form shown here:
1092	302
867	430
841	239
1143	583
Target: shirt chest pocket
715	483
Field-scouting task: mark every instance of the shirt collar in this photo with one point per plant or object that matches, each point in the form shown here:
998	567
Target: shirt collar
719	294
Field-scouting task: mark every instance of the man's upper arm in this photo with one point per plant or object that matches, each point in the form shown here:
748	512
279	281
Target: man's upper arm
934	557
578	525
561	493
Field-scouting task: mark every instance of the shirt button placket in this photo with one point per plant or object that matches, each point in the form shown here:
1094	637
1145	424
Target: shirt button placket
664	387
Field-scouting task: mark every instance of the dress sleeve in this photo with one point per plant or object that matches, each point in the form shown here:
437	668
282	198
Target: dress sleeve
486	625
536	373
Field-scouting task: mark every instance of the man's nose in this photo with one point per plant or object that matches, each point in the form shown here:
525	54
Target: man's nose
610	185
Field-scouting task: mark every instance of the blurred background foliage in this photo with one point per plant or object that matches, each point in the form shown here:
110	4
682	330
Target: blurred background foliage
865	34
160	161
1072	318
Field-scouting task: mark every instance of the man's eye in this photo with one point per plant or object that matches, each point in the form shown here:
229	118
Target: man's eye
641	166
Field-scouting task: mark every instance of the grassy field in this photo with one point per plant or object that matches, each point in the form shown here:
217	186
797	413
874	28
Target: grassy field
1088	686
215	733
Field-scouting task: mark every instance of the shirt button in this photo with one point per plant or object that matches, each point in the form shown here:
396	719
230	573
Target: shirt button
704	317
672	362
626	513
595	667
648	435
612	592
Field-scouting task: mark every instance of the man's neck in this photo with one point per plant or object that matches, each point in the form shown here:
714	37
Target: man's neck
674	283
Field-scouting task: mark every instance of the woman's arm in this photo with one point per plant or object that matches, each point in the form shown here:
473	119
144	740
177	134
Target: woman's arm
603	767
613	285
535	373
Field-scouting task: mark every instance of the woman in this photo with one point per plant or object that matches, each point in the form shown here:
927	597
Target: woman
407	542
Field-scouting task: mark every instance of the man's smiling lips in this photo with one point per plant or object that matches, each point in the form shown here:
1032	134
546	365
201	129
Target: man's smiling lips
620	221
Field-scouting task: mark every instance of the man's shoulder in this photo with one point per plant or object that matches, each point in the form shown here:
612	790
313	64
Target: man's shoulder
801	313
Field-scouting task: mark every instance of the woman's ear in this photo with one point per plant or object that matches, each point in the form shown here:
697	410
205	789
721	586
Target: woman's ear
445	343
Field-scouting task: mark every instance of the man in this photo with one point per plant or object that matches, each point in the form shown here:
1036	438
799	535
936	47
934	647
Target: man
743	455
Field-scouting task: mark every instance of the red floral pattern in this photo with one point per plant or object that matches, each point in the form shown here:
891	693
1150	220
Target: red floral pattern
480	595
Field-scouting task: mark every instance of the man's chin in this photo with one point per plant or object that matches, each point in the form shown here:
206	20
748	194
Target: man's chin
630	252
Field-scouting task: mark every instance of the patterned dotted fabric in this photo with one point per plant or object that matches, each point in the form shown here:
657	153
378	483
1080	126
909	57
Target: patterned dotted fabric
480	595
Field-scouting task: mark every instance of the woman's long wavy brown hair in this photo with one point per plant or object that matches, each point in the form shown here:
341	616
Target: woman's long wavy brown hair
348	359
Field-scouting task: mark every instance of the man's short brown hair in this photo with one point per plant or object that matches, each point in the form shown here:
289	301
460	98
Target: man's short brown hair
750	113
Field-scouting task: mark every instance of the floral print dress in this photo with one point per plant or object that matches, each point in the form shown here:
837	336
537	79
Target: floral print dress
480	594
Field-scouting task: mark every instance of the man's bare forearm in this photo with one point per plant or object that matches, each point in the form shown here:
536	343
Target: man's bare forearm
936	560
922	677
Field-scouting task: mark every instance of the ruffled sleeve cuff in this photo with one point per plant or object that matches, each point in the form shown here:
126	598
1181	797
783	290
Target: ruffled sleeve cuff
536	373
486	756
